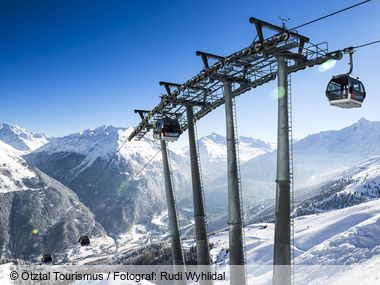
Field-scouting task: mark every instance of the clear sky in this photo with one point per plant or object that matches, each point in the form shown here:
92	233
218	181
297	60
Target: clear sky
69	65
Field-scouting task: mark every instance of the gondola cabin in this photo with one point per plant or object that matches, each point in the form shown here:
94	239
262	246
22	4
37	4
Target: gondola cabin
47	258
167	129
345	91
84	240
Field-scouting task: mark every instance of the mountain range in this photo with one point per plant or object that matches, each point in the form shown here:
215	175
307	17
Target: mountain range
119	183
98	167
316	158
116	186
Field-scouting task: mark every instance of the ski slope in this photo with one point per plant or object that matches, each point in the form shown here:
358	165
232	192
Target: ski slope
345	243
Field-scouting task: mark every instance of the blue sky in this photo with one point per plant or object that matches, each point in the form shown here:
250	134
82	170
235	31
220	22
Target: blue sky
70	65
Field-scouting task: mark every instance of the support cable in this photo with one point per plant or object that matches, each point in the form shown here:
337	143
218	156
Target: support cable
331	14
367	44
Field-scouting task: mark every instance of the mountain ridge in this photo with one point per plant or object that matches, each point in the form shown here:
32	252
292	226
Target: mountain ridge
21	139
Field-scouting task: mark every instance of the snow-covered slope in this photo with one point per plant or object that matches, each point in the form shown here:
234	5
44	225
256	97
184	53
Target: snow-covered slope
20	138
5	270
366	178
353	186
14	172
347	236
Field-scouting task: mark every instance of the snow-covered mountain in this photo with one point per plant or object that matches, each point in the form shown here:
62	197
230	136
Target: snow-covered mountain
20	138
101	165
111	175
31	200
214	148
121	182
319	157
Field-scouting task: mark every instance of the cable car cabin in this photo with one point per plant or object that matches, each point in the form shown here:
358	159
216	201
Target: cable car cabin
84	240
47	258
345	91
167	129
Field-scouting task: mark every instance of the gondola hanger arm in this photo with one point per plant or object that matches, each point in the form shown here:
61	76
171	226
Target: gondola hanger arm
350	51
